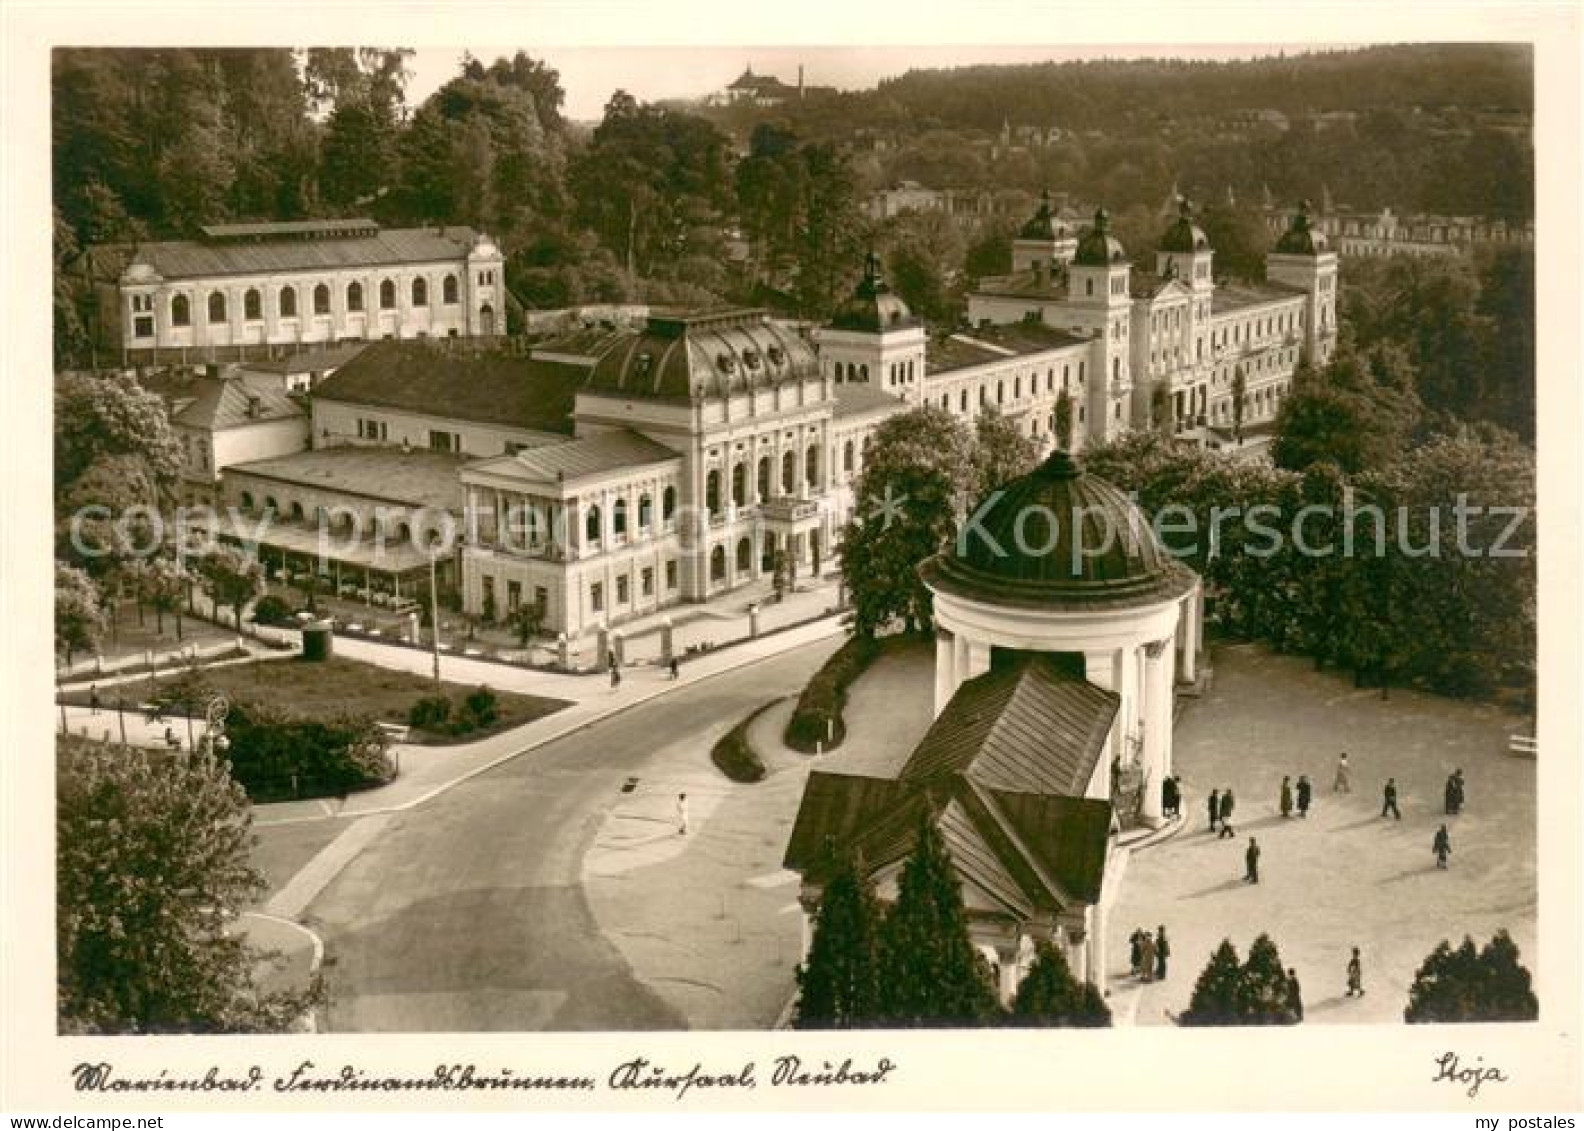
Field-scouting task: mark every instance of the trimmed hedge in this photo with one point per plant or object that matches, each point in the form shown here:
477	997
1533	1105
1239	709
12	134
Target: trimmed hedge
272	610
277	758
818	715
735	756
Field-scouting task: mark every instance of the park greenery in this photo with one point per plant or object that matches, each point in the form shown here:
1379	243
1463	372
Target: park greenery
1257	991
151	869
817	723
1472	984
734	755
911	964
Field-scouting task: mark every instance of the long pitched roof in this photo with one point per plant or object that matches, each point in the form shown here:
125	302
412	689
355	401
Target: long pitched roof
418	478
487	386
577	459
186	259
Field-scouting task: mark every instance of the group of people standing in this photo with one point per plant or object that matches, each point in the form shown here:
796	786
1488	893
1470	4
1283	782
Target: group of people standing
1149	954
1304	792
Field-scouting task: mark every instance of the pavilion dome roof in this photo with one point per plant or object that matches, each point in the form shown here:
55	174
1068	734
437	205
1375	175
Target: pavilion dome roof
1045	224
1184	235
873	307
1058	536
1098	246
1301	238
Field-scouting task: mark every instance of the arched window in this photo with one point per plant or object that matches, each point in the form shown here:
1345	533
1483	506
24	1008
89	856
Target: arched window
217	307
739	476
181	311
745	555
252	305
387	295
591	524
962	401
247	500
448	290
811	463
668	504
288	302
322	299
863	372
296	511
270	505
420	292
712	490
718	564
847	456
355	296
762	478
645	511
788	469
1000	392
619	518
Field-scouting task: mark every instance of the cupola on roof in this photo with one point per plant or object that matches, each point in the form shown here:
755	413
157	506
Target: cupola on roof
1044	224
1300	238
1098	246
873	308
1184	235
699	356
1056	537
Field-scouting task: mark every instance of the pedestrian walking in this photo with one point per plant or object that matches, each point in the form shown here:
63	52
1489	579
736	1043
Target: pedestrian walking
93	698
1169	797
1449	806
615	677
682	814
1305	794
1251	862
1227	804
1442	847
1214	805
1136	950
1286	797
1355	975
1147	957
1389	799
1162	952
1457	792
674	668
1344	776
1294	994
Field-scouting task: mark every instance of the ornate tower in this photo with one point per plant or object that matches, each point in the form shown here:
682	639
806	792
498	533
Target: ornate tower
1302	259
1044	240
1097	285
873	337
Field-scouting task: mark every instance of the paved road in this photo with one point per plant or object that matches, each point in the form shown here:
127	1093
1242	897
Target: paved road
467	913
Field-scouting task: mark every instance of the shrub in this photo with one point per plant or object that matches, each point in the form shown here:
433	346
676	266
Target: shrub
270	609
817	718
275	757
1466	984
482	706
429	712
735	756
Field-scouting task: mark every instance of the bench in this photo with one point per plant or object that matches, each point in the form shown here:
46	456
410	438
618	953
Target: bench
1523	746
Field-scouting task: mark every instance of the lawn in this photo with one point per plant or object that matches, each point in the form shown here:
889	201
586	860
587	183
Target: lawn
341	686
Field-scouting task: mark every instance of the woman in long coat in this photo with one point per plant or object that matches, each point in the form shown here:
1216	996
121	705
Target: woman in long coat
1286	797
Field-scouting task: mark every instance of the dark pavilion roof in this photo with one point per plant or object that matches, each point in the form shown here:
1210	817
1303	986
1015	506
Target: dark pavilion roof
689	358
1097	246
873	308
1002	774
1044	224
1101	552
1300	238
1184	235
251	249
230	402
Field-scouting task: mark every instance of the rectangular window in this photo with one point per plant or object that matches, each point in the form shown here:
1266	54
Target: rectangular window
143	326
621	590
541	596
647	581
597	597
442	441
671	575
513	595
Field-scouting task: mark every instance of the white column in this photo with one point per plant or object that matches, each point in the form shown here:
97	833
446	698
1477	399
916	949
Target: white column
1007	959
1157	714
945	668
1095	942
978	661
1190	625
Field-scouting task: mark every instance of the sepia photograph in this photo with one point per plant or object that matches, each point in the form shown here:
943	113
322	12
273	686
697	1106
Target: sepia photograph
769	539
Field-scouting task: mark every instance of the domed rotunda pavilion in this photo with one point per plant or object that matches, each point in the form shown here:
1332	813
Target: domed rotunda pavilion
1062	627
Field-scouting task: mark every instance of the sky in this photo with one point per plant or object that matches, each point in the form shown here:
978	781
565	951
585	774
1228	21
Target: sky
590	74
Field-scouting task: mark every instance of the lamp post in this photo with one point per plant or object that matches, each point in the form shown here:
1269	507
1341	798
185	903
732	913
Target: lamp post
215	712
434	610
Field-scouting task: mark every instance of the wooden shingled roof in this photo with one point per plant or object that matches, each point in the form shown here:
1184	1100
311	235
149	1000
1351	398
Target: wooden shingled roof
1002	774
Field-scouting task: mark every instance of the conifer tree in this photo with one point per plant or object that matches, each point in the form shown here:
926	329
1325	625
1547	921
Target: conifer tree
1215	993
1051	997
1263	996
931	975
1472	985
838	987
